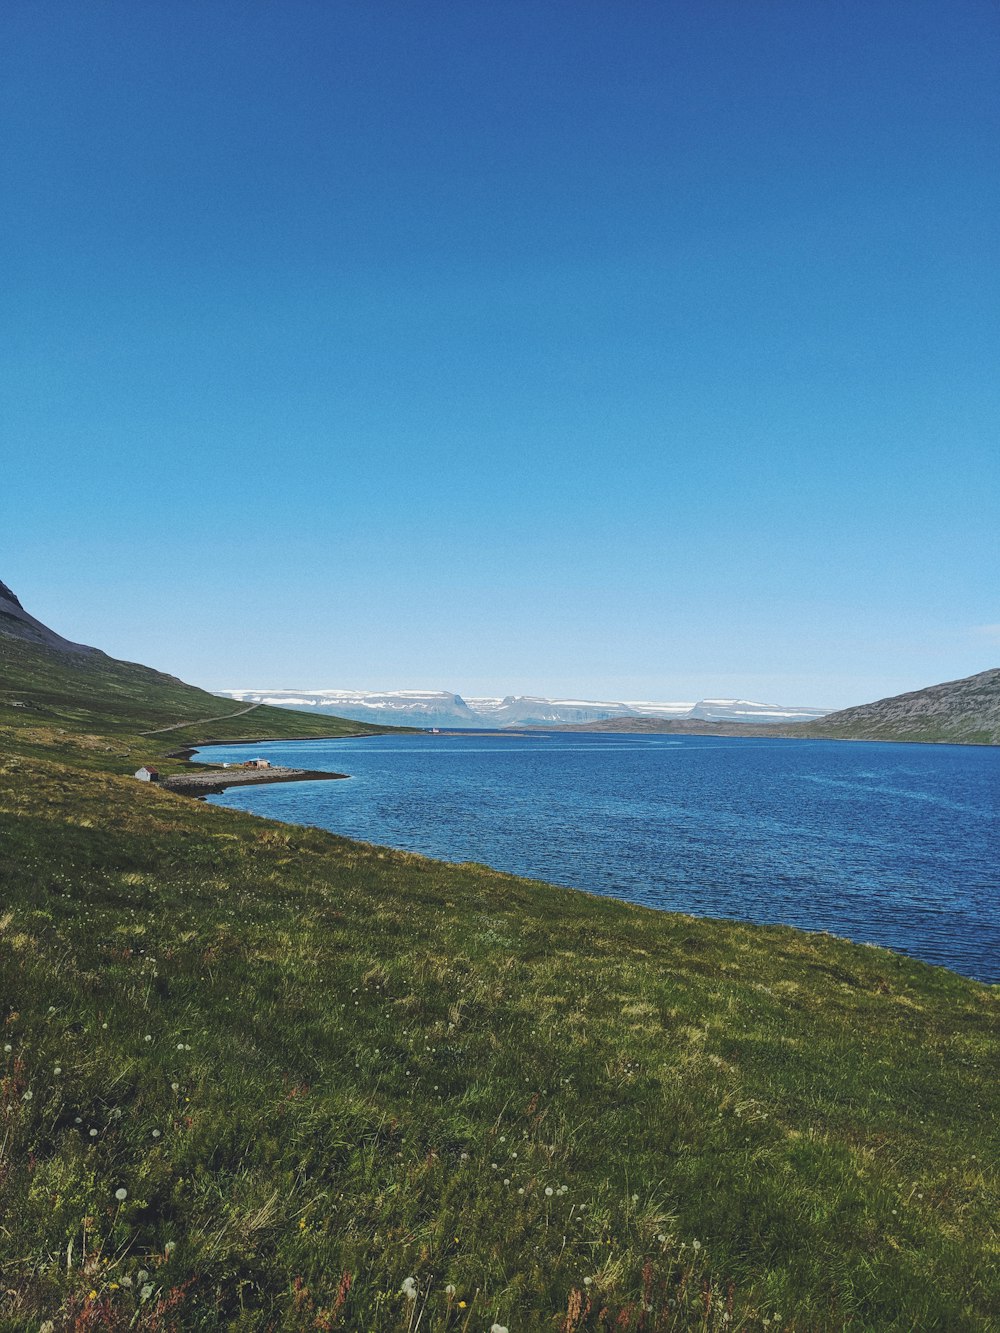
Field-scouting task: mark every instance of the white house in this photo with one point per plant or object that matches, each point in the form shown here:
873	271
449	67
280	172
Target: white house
147	774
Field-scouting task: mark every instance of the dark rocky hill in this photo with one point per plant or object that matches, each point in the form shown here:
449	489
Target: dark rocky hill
965	711
16	623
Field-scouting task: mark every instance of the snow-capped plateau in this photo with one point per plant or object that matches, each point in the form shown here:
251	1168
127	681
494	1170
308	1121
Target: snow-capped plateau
441	708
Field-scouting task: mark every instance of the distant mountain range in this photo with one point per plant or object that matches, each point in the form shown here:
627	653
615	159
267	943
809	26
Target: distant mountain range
439	708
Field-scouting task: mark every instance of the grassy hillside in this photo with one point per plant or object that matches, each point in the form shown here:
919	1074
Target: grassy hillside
102	710
259	1077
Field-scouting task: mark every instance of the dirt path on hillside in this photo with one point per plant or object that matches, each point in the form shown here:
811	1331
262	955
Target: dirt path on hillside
199	721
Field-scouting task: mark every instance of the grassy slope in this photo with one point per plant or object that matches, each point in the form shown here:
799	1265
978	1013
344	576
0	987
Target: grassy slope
101	707
319	1068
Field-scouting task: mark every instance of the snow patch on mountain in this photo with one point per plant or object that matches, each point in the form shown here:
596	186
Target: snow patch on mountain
441	708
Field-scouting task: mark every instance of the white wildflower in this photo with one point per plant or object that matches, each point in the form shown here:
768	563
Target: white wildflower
121	1194
450	1289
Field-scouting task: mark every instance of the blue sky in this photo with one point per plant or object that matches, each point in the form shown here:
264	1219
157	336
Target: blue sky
639	350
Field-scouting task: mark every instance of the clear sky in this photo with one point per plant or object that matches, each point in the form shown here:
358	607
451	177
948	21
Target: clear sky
639	350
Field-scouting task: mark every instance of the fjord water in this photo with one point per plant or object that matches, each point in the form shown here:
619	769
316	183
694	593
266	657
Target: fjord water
888	844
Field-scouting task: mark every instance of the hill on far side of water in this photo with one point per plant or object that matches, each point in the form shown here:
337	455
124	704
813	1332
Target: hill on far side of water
965	711
959	712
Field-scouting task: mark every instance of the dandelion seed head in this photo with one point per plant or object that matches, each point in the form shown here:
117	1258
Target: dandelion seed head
548	1191
409	1288
450	1289
121	1194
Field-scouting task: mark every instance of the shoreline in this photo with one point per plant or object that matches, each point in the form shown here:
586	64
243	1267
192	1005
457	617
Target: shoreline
189	749
206	784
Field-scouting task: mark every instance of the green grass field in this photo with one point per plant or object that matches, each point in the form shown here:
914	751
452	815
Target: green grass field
259	1077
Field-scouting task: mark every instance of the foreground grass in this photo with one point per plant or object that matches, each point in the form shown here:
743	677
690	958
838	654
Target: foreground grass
259	1077
319	1068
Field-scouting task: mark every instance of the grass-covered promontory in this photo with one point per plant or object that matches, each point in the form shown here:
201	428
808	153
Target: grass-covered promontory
259	1077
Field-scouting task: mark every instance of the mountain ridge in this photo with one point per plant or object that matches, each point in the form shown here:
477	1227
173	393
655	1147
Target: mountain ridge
444	709
16	623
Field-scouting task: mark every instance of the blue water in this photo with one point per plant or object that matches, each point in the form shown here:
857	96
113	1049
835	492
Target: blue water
891	844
